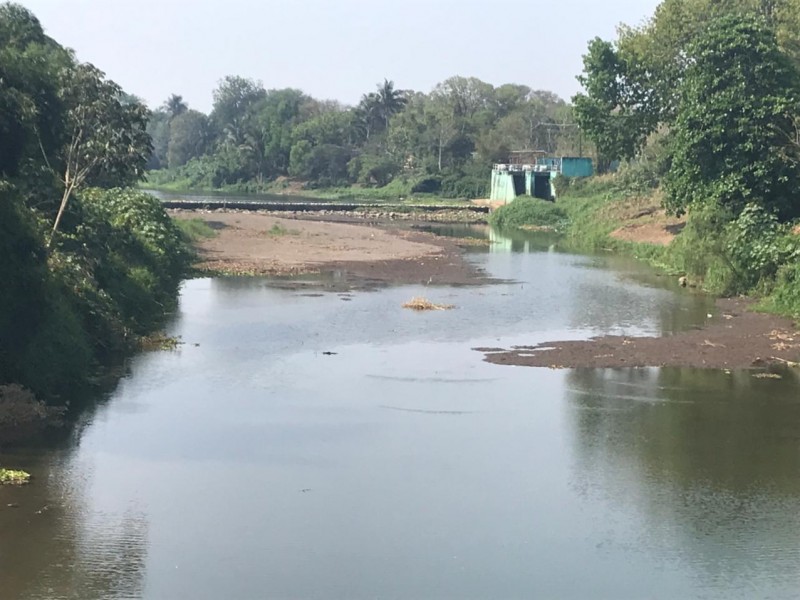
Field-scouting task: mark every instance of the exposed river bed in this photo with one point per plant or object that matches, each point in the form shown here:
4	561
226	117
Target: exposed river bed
329	444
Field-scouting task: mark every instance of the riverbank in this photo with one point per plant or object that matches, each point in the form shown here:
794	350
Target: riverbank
598	216
733	338
364	253
368	253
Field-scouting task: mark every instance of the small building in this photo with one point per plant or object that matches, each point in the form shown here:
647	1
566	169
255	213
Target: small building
515	178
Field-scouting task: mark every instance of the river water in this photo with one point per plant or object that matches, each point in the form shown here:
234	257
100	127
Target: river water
251	464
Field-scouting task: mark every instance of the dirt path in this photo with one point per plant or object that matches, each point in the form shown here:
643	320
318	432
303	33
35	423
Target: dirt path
738	338
259	243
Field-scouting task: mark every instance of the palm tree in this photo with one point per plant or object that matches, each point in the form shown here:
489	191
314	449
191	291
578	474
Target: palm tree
175	106
369	113
389	101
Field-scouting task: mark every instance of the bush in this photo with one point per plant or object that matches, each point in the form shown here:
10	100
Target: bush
785	297
734	255
42	342
528	211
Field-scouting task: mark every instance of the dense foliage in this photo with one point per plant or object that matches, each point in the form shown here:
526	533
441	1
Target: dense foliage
443	142
633	86
529	211
734	132
85	270
702	105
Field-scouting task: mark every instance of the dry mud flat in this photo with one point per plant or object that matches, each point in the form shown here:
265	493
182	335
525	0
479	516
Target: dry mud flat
735	339
264	244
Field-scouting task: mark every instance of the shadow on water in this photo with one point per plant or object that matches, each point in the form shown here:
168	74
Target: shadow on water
706	461
72	552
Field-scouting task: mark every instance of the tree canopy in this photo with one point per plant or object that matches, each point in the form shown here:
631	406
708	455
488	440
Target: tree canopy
462	126
735	131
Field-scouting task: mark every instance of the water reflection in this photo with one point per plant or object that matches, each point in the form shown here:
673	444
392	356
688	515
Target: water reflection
250	462
56	544
706	461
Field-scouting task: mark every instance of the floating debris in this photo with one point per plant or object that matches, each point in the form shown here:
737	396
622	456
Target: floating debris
11	477
419	303
767	376
158	341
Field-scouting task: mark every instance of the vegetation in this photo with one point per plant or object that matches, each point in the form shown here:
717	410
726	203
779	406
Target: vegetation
195	229
419	304
528	211
393	144
702	106
10	477
278	230
88	266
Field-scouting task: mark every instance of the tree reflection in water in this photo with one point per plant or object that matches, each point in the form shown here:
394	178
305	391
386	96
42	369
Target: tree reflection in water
707	461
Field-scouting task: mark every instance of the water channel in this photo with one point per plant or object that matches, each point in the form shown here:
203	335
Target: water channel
331	445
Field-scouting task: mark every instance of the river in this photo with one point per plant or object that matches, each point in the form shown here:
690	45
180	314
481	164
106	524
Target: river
330	445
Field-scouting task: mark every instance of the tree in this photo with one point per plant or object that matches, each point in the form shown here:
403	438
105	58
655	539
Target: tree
175	106
615	111
233	99
158	127
19	26
735	131
389	101
272	121
30	111
106	143
188	137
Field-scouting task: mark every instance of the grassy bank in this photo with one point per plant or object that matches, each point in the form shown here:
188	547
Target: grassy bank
751	254
399	190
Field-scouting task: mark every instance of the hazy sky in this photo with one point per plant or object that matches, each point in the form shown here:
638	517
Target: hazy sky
336	49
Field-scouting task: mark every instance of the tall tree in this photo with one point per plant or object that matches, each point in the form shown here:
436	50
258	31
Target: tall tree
735	130
615	111
389	101
188	137
175	106
106	142
233	99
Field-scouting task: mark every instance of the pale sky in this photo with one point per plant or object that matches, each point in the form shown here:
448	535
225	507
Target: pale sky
336	49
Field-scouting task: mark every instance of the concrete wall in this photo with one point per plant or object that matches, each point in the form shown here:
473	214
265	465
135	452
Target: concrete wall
502	186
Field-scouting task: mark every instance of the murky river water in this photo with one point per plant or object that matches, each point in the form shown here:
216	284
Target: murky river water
250	464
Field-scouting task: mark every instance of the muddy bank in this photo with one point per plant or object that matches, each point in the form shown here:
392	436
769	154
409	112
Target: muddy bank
735	338
358	253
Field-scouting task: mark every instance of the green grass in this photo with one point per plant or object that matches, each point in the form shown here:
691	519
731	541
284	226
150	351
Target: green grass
278	230
195	229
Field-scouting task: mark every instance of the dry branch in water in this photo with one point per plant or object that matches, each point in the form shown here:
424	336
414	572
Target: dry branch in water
419	303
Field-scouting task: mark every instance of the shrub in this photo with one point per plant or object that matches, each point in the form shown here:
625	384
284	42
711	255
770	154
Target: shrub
528	211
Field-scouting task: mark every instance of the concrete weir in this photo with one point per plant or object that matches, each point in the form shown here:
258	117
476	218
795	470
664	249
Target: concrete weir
222	203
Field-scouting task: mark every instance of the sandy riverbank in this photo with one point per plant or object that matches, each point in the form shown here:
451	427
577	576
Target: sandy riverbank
265	244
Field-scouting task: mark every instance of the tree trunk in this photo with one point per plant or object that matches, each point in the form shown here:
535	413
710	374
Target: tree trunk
64	200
